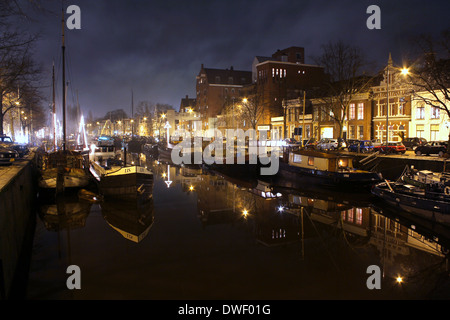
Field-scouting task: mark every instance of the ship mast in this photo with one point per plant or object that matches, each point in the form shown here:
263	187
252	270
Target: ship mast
63	83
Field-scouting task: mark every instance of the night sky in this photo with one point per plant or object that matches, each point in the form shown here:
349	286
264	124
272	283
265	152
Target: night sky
156	48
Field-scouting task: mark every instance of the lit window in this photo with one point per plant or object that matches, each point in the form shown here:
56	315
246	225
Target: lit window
360	111
420	113
434	112
352	111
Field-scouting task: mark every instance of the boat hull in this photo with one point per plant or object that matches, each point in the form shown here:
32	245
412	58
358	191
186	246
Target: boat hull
431	209
355	179
127	183
72	179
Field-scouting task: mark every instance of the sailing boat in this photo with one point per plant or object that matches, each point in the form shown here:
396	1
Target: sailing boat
64	168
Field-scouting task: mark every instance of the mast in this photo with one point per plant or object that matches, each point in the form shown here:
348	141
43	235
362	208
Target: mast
54	108
63	83
132	115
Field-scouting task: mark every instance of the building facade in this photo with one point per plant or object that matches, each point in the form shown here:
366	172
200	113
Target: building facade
218	89
284	76
428	121
396	114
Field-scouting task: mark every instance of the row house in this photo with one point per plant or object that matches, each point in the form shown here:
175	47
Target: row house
357	122
297	115
427	119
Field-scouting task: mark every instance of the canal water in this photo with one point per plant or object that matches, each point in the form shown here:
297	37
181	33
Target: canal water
206	235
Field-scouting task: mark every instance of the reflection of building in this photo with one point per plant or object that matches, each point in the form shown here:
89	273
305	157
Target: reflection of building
215	199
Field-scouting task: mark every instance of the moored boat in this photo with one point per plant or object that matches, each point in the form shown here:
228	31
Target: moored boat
429	203
424	178
62	170
125	182
326	169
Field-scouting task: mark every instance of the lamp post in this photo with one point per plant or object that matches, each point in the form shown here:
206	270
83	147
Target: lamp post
404	72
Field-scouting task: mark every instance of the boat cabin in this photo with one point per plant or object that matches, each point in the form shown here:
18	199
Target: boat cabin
320	161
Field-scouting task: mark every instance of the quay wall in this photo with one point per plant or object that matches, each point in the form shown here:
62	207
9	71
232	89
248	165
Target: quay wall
17	224
392	166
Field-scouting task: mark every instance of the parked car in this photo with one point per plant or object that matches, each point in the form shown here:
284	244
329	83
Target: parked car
8	156
391	147
412	143
352	142
329	144
7	142
376	142
364	146
292	142
311	143
432	147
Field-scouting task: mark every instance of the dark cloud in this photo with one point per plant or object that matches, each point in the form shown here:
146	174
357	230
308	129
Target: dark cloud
156	47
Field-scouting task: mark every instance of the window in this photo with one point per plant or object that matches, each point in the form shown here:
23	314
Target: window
420	130
352	111
352	132
297	158
380	110
420	112
360	111
359	216
360	132
401	106
217	79
434	112
434	132
310	161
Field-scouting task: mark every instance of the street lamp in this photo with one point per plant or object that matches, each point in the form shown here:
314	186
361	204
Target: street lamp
404	71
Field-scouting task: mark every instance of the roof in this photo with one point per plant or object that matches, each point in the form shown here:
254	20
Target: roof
227	76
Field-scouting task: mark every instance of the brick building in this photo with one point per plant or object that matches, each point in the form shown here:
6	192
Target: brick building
283	76
217	89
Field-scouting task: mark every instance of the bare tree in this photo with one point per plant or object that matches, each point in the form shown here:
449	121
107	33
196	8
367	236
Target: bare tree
430	74
18	71
345	77
252	109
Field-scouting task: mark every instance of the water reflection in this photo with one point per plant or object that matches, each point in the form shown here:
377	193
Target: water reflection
320	233
284	215
132	219
63	212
